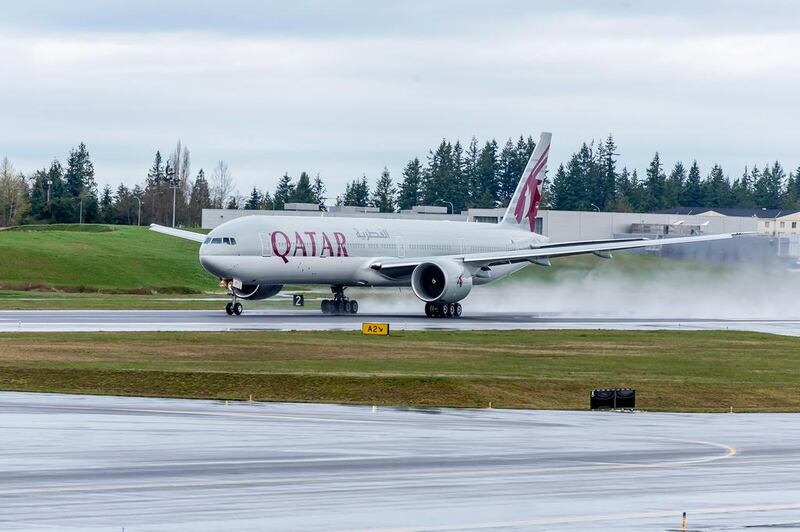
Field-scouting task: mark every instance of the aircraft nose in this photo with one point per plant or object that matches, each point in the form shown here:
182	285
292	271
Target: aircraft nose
219	266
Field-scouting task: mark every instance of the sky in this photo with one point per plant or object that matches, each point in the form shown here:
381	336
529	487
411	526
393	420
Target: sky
345	88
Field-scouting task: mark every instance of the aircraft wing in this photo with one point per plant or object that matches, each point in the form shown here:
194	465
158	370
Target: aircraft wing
550	250
180	233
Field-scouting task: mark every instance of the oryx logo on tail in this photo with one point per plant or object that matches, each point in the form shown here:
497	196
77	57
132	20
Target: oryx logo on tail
525	202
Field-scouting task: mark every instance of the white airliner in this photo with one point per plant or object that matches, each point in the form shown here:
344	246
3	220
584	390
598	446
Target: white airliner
254	256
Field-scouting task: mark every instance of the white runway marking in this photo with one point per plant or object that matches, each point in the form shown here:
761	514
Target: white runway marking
311	320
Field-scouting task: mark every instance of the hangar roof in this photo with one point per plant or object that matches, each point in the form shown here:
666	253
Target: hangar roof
744	213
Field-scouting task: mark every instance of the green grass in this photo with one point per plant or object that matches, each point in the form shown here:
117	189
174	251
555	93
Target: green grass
707	370
72	266
98	258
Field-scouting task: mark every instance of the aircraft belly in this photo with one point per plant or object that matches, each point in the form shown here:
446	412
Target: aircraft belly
300	270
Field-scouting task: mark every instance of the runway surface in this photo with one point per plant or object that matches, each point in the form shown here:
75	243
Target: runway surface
284	320
103	463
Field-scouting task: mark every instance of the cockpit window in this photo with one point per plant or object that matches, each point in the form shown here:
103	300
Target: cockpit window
230	241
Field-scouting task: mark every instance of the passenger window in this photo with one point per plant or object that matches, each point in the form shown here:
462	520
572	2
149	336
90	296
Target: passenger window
216	241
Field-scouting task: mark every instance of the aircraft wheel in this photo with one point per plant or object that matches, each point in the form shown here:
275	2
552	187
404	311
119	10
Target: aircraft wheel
324	306
229	309
337	307
457	310
237	309
346	307
353	307
429	309
446	310
451	310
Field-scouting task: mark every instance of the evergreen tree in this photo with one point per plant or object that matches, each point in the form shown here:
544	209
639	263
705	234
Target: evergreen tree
562	196
254	201
624	192
774	185
608	174
303	192
469	171
440	175
39	201
742	191
674	186
60	204
459	194
486	175
283	193
692	194
126	208
384	195
318	190
409	193
791	197
199	199
80	185
155	176
509	172
107	213
356	193
266	202
655	184
716	189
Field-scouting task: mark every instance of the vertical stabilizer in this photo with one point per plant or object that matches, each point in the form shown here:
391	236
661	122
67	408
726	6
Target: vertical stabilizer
525	202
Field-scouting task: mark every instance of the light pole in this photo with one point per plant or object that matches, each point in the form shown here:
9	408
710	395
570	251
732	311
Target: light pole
595	207
80	216
452	209
139	219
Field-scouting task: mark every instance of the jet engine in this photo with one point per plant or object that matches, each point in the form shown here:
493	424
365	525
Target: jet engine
441	281
257	291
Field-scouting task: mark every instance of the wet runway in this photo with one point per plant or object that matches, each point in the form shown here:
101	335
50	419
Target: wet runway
103	463
211	320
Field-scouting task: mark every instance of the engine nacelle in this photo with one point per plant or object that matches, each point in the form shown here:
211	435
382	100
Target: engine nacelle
257	291
441	281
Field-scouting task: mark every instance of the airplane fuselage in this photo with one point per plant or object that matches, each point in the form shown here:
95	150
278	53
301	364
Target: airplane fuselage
339	251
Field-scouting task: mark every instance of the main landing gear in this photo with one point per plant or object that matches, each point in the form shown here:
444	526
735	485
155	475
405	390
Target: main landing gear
443	310
339	304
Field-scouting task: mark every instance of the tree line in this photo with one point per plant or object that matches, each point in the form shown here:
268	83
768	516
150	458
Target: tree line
480	175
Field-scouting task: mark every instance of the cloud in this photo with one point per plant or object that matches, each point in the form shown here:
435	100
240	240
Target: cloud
347	92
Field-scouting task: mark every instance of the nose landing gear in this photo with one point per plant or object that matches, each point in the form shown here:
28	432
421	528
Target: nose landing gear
443	310
339	304
234	307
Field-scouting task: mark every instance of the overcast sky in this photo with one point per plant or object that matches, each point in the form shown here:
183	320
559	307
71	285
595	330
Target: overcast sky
345	88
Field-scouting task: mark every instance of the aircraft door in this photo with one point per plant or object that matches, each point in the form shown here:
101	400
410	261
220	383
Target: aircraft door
401	247
266	245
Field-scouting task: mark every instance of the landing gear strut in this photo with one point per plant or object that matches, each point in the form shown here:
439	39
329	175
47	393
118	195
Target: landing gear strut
339	304
443	310
234	307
